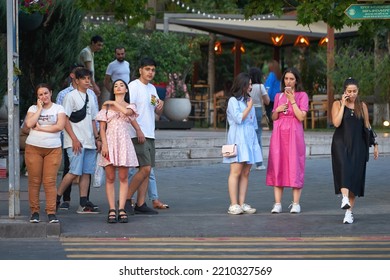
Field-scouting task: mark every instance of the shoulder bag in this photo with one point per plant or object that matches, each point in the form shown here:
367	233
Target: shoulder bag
369	134
79	115
229	150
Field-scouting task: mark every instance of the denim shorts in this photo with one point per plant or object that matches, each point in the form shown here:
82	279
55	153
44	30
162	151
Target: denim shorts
82	163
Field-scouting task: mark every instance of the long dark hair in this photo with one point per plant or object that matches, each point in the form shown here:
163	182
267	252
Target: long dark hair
127	95
358	107
298	79
240	86
255	74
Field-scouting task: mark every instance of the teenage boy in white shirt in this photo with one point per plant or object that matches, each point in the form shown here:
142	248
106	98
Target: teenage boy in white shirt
80	140
144	95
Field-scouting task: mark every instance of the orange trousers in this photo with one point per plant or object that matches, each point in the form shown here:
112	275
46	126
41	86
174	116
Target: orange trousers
42	166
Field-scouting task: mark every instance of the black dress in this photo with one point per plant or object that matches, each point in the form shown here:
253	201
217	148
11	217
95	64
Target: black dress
349	154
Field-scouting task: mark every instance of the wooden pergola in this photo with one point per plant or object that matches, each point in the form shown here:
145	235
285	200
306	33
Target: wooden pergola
263	29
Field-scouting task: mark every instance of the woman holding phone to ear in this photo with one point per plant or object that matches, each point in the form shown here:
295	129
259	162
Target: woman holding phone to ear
349	148
287	150
43	153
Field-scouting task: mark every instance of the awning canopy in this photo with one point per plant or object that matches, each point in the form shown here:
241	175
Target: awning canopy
258	30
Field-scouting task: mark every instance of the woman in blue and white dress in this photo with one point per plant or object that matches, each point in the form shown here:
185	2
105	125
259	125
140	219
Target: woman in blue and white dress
242	121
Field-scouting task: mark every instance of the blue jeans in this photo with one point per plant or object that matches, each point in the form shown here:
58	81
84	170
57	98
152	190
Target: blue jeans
152	186
259	130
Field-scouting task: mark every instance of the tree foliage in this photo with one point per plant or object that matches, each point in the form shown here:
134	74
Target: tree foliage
47	53
3	50
172	52
132	12
310	11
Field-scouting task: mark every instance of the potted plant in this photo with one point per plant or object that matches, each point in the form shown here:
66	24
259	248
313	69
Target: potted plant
177	106
31	13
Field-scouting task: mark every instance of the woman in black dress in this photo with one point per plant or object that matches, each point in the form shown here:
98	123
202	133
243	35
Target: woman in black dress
349	147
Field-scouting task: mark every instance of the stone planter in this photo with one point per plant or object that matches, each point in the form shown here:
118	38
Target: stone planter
177	109
29	22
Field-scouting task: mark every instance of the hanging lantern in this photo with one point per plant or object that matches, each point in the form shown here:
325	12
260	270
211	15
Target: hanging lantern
218	47
242	48
277	39
302	41
323	41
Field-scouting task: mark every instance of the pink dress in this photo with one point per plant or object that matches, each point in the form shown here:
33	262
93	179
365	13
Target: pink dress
287	151
120	147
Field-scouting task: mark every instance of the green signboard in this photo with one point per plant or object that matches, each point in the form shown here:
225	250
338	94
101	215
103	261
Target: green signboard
368	11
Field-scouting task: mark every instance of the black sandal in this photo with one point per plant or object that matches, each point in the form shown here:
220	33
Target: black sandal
111	218
122	216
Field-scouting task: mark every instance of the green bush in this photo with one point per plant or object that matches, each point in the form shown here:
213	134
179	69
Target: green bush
359	64
172	52
47	53
3	50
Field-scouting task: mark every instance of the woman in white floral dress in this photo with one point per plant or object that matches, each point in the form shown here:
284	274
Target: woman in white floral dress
118	152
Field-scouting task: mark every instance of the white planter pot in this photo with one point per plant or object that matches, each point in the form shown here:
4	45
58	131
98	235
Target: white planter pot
177	109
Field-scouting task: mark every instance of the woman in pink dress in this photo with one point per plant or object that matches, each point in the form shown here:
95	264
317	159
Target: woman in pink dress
117	148
287	151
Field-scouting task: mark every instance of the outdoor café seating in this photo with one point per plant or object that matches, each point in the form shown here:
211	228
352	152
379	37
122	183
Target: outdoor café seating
318	111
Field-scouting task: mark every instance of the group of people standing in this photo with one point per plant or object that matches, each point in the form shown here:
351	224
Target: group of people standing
120	136
123	132
287	149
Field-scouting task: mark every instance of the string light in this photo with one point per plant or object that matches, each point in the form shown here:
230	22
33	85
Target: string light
99	18
188	8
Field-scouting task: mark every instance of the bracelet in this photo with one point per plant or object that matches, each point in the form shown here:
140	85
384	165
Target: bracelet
293	103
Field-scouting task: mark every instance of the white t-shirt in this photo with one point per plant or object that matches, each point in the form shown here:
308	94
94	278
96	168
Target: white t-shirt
119	70
48	117
258	90
141	96
83	130
86	55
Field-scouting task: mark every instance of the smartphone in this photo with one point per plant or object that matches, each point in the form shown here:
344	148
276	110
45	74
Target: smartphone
287	88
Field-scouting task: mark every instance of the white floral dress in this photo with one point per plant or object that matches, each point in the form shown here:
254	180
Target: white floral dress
120	147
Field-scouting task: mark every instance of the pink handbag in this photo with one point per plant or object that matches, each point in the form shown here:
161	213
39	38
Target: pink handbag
229	150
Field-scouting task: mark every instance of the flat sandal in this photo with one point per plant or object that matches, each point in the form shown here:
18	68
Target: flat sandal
122	216
111	218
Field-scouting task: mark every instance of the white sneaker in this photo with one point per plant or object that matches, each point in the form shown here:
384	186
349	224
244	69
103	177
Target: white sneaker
235	210
277	208
348	218
247	209
261	167
345	203
295	208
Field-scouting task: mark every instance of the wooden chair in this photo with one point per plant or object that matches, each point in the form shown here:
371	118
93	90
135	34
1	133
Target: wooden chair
219	106
200	103
318	112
